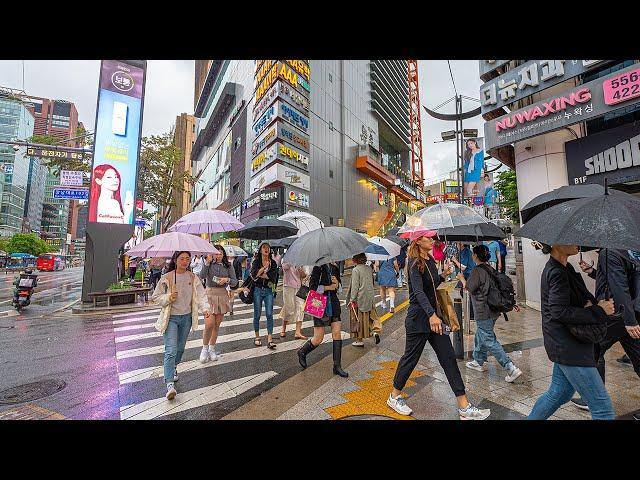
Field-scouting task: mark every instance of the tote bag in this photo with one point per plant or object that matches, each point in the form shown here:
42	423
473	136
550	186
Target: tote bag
315	304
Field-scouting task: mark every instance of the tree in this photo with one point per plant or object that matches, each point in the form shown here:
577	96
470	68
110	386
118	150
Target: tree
160	171
148	233
27	243
507	185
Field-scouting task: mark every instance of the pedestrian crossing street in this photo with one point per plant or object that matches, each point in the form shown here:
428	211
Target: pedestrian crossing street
241	368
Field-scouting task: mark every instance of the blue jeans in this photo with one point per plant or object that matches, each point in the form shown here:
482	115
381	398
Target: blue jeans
485	343
566	380
260	295
175	339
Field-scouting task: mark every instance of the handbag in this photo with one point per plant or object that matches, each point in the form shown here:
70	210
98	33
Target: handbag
315	304
302	292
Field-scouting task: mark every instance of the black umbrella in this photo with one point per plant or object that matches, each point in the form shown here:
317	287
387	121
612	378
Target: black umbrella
563	194
282	242
264	228
471	233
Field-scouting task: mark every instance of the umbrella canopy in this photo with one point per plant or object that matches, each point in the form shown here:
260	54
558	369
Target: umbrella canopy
396	239
328	244
563	194
605	221
374	251
303	220
471	233
234	251
167	244
206	221
282	242
264	228
441	215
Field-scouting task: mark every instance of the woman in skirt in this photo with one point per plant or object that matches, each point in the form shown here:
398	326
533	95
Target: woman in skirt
220	277
361	308
388	281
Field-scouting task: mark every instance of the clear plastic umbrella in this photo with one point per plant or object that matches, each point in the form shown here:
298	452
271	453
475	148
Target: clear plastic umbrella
303	220
439	216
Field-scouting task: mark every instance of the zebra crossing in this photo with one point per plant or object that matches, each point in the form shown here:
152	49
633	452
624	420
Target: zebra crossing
241	368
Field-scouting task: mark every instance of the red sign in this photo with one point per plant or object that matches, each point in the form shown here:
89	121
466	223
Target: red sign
622	88
139	204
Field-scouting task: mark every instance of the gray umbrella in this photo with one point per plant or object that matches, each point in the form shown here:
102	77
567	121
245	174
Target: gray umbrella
328	244
471	233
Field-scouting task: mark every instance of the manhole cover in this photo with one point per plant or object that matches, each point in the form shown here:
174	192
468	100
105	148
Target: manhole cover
30	391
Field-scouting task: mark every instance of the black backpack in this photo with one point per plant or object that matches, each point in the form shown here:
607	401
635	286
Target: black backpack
501	297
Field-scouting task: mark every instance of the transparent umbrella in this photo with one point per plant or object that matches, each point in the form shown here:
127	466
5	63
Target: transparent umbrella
439	216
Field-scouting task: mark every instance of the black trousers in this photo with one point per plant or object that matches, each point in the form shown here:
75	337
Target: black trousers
617	333
415	343
503	266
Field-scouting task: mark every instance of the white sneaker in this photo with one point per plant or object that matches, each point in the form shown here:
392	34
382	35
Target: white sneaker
473	413
212	354
171	391
175	375
357	344
513	374
398	404
473	365
204	354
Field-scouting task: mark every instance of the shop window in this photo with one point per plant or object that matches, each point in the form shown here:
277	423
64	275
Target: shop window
236	188
330	173
330	220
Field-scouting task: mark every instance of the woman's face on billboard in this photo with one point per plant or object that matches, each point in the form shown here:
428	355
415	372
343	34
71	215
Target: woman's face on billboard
109	180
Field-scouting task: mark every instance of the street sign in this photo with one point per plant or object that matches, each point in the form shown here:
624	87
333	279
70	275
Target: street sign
71	178
8	168
141	222
71	193
51	153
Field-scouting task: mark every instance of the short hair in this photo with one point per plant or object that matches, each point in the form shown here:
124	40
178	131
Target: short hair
360	258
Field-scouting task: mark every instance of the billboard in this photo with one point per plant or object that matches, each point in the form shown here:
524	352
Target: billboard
279	173
473	167
117	142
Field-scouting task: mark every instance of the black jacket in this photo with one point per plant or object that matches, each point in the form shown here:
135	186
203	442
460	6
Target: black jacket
322	276
623	282
272	273
422	296
563	296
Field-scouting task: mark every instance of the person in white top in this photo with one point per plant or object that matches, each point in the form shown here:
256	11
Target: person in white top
181	295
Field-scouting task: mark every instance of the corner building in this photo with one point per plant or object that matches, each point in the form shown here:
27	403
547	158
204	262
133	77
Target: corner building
330	137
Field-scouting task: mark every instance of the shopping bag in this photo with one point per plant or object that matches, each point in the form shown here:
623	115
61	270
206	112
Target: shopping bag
446	294
354	319
315	304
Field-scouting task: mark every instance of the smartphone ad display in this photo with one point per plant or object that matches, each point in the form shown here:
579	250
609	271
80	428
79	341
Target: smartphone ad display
117	142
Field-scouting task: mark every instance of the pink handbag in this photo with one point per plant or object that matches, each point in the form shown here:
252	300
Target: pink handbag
315	304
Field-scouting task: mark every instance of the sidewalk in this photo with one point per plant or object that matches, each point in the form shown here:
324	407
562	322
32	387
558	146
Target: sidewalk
316	393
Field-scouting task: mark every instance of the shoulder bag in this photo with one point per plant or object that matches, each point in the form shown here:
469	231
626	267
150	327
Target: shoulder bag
587	333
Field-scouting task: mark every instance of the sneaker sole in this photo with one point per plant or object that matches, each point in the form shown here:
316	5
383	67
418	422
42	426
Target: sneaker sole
581	407
400	413
470	418
477	369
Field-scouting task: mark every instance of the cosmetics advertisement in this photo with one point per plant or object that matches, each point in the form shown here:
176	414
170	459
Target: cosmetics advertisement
117	142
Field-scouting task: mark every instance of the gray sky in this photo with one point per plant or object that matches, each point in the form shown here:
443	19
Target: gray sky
170	85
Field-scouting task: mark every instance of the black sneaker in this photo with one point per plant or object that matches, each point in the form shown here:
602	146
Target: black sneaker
624	359
376	337
580	403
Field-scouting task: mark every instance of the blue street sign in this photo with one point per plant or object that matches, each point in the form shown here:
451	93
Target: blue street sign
8	168
140	222
71	194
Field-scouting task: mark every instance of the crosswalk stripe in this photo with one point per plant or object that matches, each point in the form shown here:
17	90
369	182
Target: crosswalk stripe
236	313
154	309
160	407
255	352
197	343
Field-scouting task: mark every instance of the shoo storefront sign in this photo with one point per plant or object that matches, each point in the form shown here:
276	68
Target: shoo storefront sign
613	154
529	78
577	104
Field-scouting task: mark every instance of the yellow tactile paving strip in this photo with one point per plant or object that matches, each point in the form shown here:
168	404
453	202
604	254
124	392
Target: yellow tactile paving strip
30	412
371	398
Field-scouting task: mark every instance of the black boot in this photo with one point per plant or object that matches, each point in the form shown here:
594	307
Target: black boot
337	359
303	351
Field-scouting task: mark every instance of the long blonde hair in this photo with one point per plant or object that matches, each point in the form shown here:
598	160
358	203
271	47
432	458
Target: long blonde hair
414	252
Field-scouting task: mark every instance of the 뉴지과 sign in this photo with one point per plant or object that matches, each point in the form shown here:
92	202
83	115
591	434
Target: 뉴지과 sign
577	104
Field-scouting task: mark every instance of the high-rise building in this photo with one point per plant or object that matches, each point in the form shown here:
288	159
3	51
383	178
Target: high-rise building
35	194
16	123
331	137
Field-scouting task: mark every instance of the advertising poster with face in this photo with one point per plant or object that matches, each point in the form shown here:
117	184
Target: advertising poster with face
473	167
115	160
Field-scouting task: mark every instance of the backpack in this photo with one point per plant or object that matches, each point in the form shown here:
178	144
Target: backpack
501	297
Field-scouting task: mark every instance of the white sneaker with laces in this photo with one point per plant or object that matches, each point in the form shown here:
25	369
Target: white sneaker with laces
513	374
171	391
398	404
473	413
473	365
204	354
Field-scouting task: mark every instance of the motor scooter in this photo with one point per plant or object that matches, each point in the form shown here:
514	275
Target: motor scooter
25	284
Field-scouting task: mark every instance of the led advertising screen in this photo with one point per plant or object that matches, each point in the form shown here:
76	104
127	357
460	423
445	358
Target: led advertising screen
117	142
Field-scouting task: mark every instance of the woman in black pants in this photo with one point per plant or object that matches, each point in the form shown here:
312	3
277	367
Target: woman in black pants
328	276
423	325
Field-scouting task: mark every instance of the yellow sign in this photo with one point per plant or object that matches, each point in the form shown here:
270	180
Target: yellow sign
267	82
262	70
301	67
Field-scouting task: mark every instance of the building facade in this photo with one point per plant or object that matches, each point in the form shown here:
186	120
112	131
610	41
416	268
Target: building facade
16	123
330	137
562	128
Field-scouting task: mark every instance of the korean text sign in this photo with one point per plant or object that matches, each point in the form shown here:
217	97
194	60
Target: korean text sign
117	142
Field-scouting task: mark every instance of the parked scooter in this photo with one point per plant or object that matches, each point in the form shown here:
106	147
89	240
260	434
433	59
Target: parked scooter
24	285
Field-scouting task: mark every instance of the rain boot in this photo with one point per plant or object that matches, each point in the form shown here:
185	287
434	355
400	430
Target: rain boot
337	359
303	351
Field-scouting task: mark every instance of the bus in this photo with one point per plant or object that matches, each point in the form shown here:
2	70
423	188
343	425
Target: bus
50	262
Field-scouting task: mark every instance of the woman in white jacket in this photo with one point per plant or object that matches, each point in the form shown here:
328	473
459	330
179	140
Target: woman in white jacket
181	296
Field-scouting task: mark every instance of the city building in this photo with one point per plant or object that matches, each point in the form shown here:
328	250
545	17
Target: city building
331	137
16	123
58	118
568	122
34	198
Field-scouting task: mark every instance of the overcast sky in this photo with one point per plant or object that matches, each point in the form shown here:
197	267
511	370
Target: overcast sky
170	85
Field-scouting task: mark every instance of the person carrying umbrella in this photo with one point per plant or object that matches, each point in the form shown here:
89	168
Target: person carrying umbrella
568	311
264	272
423	325
181	296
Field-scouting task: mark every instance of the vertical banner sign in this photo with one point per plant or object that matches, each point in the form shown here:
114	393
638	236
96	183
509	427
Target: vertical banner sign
117	142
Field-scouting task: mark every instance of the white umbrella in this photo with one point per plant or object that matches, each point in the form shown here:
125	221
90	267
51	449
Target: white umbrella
391	247
234	251
303	220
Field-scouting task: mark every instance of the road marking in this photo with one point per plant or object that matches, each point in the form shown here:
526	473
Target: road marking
157	309
254	352
160	407
197	343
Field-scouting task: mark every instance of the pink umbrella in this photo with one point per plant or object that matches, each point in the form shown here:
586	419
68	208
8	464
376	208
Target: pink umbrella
206	221
167	244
